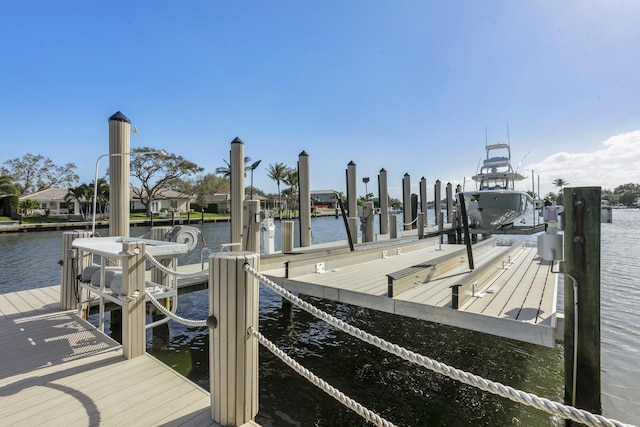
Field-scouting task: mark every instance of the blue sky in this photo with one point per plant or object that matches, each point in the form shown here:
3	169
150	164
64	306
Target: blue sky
409	86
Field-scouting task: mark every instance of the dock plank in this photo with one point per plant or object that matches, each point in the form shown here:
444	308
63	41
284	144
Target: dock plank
75	375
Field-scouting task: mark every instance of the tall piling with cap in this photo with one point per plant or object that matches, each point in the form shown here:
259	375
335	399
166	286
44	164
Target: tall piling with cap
582	217
383	195
119	172
237	189
305	199
352	201
406	202
233	353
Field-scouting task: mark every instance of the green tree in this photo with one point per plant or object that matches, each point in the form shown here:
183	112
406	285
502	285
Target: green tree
156	171
26	206
291	179
225	171
36	173
84	195
202	187
560	182
7	186
103	196
278	172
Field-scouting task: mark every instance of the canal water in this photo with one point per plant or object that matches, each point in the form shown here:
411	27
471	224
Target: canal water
397	390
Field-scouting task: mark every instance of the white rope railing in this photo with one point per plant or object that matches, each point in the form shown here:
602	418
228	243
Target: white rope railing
543	404
409	223
170	272
172	315
320	383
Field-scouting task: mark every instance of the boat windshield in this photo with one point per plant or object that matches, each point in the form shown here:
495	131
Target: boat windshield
494	184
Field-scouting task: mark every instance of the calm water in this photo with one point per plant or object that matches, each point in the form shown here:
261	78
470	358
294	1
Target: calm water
397	390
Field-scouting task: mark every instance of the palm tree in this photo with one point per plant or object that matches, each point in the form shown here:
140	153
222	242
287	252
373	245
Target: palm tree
278	173
83	194
225	171
103	195
291	179
560	182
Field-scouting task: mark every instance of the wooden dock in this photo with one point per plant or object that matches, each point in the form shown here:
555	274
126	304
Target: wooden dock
59	370
510	293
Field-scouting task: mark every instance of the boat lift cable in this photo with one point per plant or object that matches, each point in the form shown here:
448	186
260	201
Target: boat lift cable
172	315
365	413
167	270
543	404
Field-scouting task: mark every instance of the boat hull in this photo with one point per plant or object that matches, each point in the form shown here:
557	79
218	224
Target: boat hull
492	209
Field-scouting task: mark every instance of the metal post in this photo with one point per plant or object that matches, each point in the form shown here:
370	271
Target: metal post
233	354
582	263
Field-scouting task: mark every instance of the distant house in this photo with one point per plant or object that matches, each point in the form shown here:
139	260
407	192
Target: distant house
165	201
324	199
53	201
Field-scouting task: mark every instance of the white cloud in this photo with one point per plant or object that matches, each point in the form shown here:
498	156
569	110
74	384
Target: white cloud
617	163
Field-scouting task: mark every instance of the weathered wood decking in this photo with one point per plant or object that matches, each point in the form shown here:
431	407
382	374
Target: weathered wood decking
57	369
514	297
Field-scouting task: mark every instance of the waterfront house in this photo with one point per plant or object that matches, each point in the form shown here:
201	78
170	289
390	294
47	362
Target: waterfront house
54	202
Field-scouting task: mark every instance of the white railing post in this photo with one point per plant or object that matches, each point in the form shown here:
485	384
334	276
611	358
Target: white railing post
233	353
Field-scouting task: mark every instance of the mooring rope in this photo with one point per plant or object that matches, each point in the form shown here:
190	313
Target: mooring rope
320	383
167	270
172	315
543	404
409	223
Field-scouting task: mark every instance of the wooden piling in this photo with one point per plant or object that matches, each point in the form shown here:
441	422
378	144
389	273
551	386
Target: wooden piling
423	199
367	218
406	202
73	262
449	195
286	236
119	171
383	195
393	226
437	199
237	189
352	201
582	262
251	226
305	199
133	304
233	353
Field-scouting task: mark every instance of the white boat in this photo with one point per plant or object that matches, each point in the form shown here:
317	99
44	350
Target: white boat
496	203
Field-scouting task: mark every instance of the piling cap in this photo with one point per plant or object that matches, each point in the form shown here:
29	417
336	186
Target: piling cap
406	174
383	170
237	140
304	153
351	163
119	117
